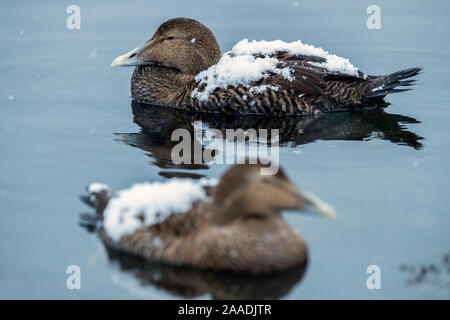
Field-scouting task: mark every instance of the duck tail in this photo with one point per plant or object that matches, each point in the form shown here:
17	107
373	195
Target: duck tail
387	84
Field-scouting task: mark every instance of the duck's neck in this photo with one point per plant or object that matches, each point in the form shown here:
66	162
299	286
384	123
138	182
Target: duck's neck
160	85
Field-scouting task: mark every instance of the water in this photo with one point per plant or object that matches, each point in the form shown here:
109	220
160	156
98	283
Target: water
66	120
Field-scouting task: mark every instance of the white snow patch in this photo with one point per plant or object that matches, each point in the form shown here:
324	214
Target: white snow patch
234	70
150	202
262	88
239	67
192	40
332	63
96	187
377	88
258	89
208	182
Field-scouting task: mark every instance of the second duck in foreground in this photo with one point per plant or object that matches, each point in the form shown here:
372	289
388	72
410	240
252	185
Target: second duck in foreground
233	225
181	67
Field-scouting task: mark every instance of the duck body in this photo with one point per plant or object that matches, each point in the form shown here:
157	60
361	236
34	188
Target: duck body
234	226
181	67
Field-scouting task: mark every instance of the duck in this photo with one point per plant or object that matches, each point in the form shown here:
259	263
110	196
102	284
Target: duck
181	67
234	224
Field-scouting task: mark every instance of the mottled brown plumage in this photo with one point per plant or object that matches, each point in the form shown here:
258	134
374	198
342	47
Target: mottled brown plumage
181	48
240	228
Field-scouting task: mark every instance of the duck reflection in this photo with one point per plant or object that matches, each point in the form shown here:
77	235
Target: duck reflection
435	274
157	125
191	283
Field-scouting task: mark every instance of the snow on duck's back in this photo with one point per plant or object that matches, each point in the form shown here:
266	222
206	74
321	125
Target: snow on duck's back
145	204
239	66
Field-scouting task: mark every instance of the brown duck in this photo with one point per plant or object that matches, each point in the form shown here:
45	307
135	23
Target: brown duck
167	65
237	227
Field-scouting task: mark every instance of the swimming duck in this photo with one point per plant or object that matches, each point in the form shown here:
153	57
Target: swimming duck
233	225
181	67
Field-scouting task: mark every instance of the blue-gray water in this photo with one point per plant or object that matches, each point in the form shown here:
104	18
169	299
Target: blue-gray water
62	103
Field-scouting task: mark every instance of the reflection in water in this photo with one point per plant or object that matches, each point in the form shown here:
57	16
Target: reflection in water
158	124
191	283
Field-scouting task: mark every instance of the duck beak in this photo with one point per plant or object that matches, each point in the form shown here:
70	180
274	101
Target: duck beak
313	203
132	58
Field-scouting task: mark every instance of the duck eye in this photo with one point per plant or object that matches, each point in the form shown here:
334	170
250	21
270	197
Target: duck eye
170	38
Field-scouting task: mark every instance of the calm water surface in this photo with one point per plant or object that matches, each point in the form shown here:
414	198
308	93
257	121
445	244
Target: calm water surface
66	120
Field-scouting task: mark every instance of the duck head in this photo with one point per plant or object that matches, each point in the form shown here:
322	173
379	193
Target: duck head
182	44
244	193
